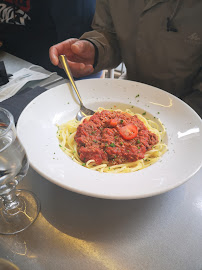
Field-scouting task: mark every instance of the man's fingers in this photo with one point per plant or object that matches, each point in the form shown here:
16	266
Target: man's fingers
53	54
80	69
60	48
82	47
73	49
78	47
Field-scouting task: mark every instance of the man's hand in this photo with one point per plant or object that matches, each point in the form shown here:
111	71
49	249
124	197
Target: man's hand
80	55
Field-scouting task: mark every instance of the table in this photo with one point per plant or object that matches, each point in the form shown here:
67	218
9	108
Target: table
13	64
78	232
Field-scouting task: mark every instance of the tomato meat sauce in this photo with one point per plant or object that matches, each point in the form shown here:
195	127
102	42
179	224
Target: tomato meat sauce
113	137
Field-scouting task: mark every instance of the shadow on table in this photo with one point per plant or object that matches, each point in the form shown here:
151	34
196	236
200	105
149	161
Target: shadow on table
97	219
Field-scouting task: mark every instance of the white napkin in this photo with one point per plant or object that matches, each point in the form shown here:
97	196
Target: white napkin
18	80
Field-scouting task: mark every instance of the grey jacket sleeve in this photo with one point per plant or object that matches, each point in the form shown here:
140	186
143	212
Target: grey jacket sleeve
104	37
194	99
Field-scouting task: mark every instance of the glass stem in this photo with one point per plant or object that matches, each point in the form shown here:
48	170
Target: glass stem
10	200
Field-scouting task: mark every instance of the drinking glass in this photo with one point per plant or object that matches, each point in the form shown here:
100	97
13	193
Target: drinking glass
18	208
7	265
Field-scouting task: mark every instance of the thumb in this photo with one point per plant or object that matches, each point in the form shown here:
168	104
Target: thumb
81	47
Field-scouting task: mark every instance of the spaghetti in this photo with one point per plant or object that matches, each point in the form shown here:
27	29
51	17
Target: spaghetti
113	141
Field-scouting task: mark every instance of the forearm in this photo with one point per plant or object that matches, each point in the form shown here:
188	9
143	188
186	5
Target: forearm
104	37
194	98
108	51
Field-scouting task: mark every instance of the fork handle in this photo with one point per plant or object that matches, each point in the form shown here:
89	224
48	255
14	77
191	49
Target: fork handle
65	65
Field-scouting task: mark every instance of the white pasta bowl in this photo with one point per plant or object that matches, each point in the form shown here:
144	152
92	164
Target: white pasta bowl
37	130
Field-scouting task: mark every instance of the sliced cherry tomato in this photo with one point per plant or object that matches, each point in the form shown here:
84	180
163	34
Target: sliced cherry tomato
128	132
113	123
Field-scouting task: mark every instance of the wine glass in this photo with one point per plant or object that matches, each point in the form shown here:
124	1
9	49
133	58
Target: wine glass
18	208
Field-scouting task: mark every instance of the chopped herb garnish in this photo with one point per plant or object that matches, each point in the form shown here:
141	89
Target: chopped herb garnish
121	143
137	95
83	164
138	141
95	141
158	112
121	121
138	147
143	113
60	145
112	145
